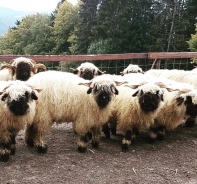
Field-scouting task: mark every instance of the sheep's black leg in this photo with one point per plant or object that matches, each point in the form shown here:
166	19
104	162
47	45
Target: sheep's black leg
33	137
30	135
113	130
190	121
126	140
95	137
106	130
134	132
13	144
83	142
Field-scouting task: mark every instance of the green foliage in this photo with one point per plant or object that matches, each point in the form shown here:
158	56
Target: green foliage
193	44
65	20
31	36
101	47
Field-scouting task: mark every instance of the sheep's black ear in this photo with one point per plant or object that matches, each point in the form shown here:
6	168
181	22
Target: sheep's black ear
188	100
34	96
75	71
179	100
4	97
89	91
100	72
161	97
135	94
114	90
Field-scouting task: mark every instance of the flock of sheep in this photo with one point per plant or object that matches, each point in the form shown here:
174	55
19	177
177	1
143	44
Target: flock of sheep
155	101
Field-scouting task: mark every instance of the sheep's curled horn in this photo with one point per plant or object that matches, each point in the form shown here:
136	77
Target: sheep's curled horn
34	69
37	65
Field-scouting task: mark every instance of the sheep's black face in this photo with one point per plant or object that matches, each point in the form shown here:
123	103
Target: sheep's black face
23	71
87	74
19	106
191	109
149	101
102	99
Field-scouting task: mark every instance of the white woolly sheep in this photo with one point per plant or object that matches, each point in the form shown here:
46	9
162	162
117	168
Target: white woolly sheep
178	106
134	110
132	69
20	68
87	71
64	100
176	75
17	106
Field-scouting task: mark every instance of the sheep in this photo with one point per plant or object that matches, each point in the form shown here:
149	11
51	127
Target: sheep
17	106
68	98
132	69
20	68
178	105
135	109
87	71
130	77
178	76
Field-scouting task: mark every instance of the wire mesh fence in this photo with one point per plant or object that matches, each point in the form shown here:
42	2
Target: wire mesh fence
115	63
116	66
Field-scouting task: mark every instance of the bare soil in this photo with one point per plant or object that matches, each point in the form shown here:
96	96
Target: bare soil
173	160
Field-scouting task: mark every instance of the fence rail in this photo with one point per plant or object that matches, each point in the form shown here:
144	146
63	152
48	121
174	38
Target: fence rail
150	55
78	57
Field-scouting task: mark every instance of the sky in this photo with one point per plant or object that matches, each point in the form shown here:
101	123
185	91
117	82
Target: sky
32	5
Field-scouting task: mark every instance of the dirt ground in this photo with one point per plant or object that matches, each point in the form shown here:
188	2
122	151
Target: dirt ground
171	161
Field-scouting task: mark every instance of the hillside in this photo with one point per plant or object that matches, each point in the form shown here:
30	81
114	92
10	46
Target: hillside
8	18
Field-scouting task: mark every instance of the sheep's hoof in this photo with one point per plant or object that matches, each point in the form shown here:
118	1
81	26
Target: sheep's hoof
151	140
5	155
160	137
125	147
13	149
108	136
42	149
81	149
30	143
95	144
189	123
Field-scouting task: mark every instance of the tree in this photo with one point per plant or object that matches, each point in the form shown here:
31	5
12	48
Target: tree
65	20
83	30
31	36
